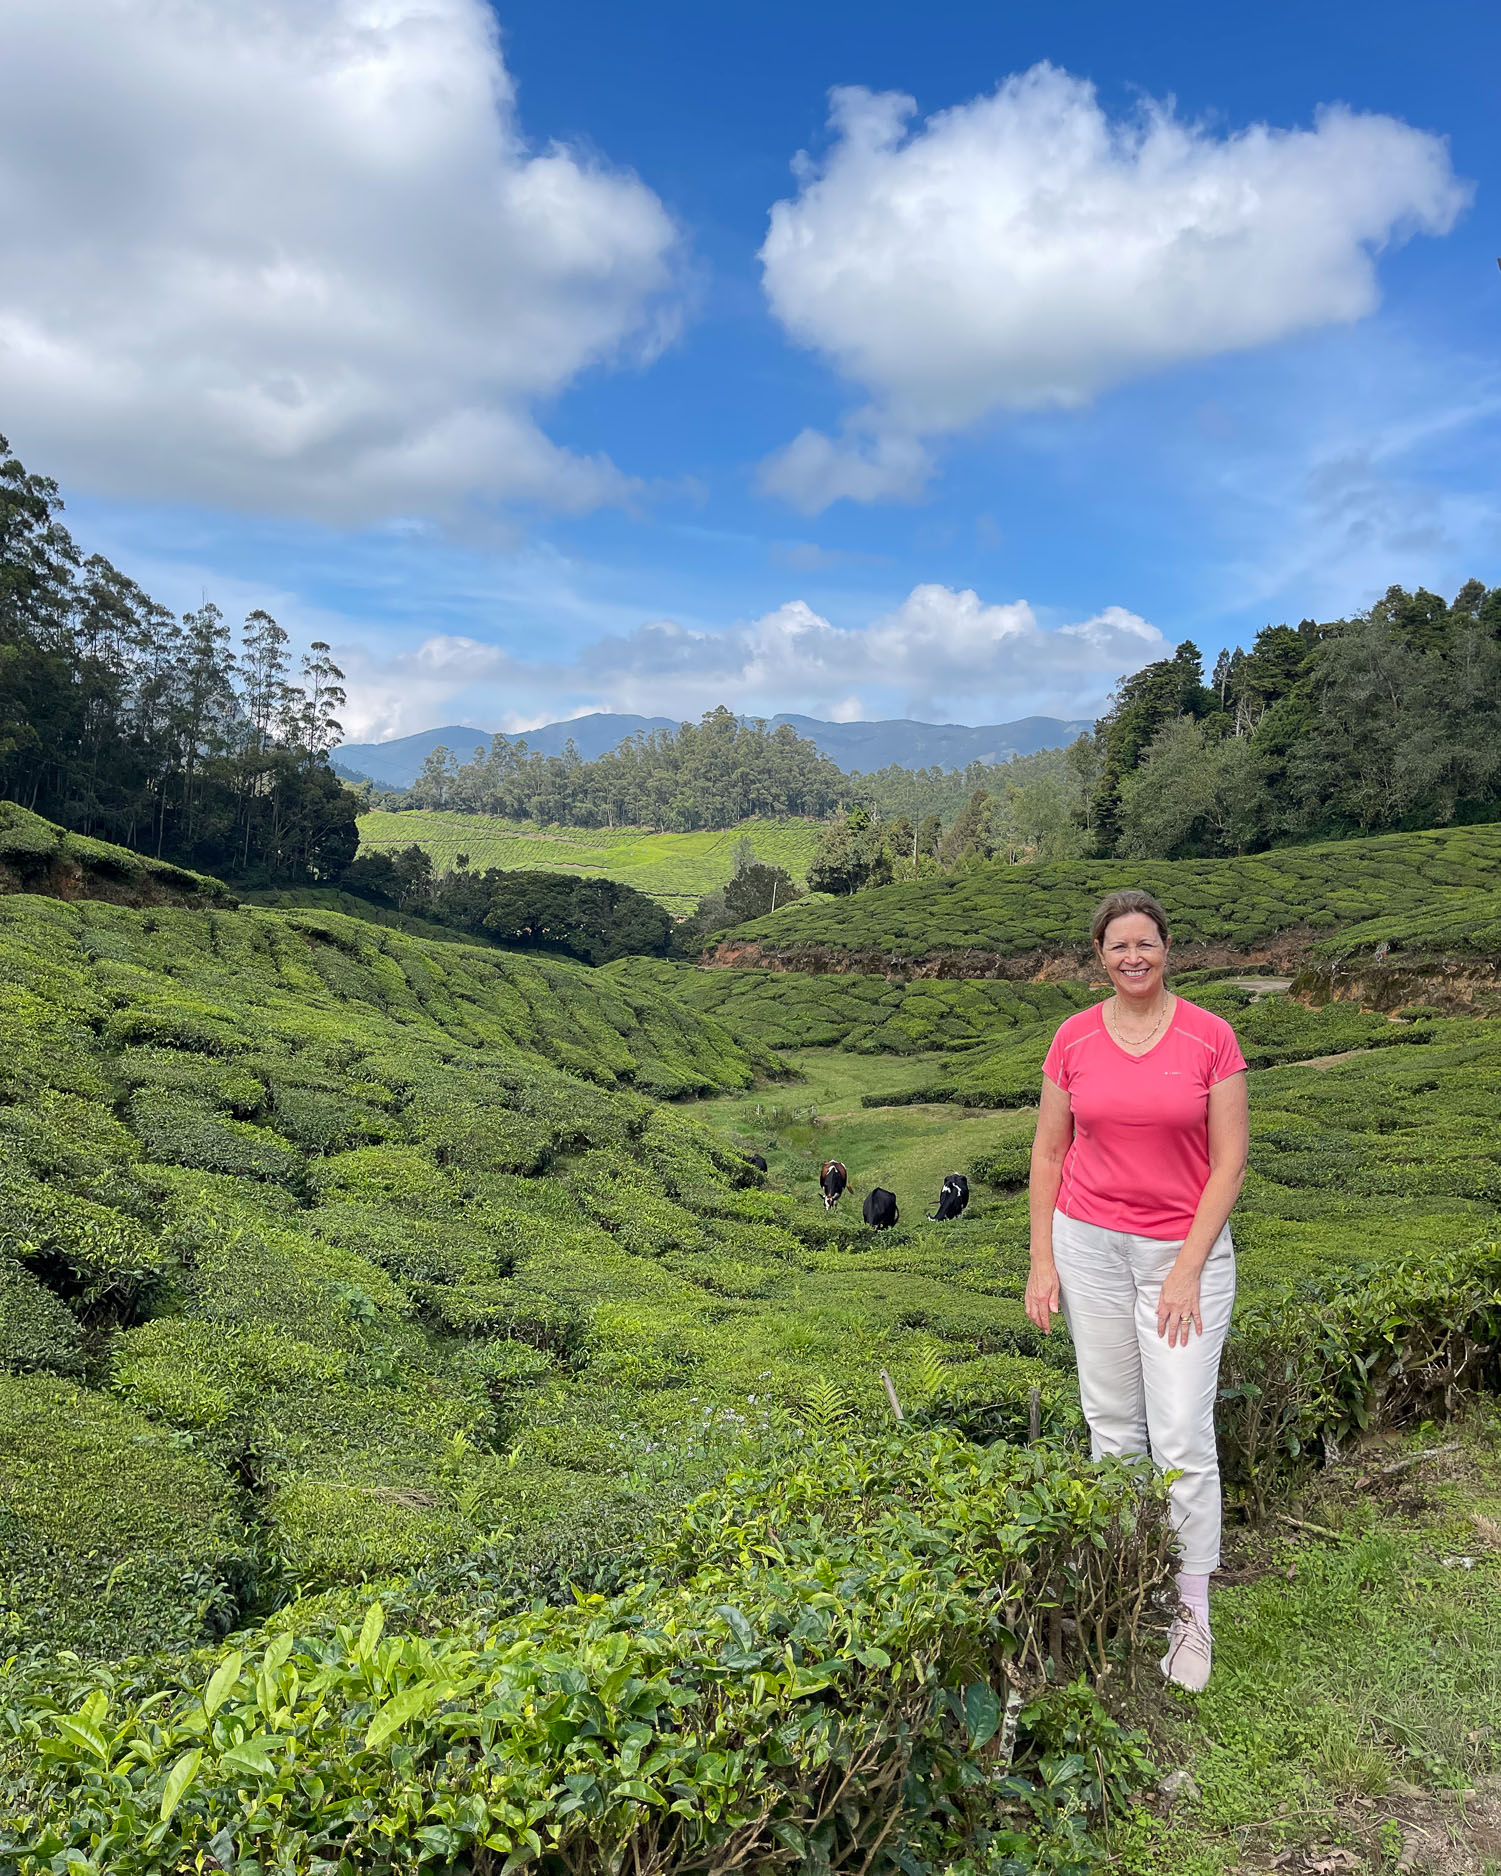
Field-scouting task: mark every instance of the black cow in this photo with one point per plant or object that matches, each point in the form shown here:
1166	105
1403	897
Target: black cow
953	1196
755	1159
880	1209
833	1178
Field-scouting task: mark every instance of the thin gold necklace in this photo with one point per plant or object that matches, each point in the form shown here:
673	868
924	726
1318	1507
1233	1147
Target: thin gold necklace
1138	1042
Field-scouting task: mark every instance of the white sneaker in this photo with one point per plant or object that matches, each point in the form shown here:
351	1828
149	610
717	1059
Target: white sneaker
1189	1653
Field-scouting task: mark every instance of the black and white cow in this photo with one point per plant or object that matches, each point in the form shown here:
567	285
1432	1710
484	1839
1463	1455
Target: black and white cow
833	1178
756	1160
880	1209
953	1196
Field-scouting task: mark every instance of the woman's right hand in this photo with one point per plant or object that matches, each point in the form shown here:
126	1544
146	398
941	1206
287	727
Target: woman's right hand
1042	1294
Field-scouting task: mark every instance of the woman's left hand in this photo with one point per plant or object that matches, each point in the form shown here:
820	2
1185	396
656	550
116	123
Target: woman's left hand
1178	1307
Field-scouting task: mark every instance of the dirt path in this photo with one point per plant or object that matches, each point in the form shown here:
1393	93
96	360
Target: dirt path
1328	1061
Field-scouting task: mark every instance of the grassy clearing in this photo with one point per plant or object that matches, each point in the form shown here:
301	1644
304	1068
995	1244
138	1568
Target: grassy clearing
908	1149
677	869
1354	1719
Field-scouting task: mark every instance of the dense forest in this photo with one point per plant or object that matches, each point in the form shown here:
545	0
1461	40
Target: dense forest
707	774
120	720
1391	719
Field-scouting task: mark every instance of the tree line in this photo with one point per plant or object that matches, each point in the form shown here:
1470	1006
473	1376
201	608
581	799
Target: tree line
1387	720
712	773
121	720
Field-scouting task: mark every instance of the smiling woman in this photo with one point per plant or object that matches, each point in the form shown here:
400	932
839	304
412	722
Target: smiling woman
1140	1151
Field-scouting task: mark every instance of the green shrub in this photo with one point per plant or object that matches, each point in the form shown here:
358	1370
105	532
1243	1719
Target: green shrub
321	1121
37	1330
1403	1340
1228	905
116	1539
96	1254
229	1085
181	1129
729	1706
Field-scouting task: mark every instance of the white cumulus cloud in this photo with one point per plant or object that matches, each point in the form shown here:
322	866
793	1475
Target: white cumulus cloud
942	655
1023	251
295	255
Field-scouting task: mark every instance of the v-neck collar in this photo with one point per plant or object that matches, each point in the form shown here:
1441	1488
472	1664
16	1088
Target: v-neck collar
1146	1054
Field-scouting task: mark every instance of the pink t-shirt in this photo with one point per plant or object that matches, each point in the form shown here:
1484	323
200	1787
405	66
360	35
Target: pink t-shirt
1139	1158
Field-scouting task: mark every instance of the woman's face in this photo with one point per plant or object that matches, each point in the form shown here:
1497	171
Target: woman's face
1134	955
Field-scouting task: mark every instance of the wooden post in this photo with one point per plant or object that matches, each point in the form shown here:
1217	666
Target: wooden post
1034	1415
896	1405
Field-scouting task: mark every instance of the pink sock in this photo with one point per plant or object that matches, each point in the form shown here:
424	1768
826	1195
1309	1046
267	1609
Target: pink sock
1193	1591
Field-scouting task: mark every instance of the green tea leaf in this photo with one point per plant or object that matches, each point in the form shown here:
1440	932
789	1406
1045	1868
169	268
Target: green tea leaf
375	1621
85	1734
982	1712
221	1681
178	1780
251	1755
738	1626
395	1713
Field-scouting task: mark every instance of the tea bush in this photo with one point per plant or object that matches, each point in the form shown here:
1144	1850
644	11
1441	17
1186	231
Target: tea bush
1044	910
334	1210
801	1010
330	1258
37	855
117	1536
805	1672
37	1329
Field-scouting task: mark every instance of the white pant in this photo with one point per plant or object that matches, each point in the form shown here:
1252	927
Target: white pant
1139	1395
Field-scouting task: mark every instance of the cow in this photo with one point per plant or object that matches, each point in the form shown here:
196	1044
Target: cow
880	1209
756	1160
953	1196
833	1178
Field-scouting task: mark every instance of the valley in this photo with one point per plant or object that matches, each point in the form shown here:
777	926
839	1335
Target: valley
366	1299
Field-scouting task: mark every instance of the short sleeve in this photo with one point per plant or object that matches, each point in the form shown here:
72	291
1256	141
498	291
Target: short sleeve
1228	1059
1055	1062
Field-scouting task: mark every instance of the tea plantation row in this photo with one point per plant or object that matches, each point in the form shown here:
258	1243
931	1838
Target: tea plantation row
678	869
1024	912
335	1264
868	1014
316	1264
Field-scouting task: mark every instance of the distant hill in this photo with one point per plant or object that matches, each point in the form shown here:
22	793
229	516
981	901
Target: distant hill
863	746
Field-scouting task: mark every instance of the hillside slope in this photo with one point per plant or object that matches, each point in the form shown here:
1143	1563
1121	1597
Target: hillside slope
39	856
329	1254
1011	921
675	869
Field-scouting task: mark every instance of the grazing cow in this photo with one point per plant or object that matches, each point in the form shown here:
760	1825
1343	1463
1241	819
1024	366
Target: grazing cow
755	1159
953	1196
833	1178
880	1209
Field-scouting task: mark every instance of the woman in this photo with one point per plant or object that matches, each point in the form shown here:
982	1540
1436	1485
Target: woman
1139	1156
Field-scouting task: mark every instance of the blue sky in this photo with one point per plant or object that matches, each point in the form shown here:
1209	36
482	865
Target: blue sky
530	372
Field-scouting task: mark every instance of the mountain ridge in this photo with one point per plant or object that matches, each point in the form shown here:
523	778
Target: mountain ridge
895	741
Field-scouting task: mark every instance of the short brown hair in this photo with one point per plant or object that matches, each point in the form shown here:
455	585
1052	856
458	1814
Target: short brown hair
1120	905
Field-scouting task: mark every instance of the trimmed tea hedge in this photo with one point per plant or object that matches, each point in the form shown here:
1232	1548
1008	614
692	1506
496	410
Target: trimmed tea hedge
825	1666
801	1010
1022	912
39	856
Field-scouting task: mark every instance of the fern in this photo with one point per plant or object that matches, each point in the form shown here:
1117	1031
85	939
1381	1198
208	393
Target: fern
931	1377
826	1407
